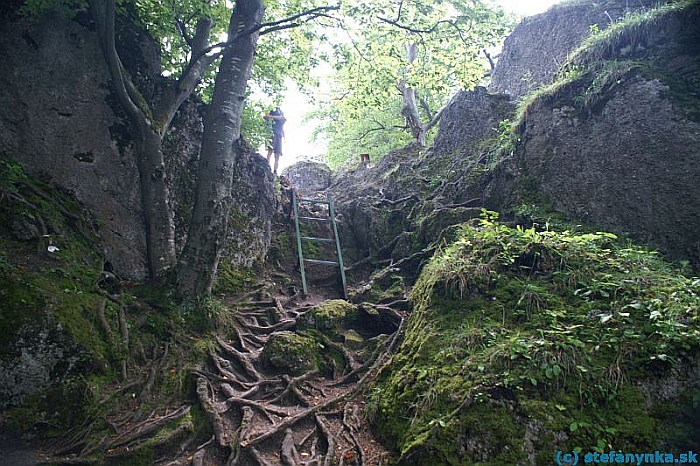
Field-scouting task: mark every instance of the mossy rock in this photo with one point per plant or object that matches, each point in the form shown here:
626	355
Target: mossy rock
330	317
292	353
381	289
352	339
513	347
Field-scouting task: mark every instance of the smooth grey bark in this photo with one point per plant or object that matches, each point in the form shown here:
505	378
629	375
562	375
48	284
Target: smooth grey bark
213	198
409	110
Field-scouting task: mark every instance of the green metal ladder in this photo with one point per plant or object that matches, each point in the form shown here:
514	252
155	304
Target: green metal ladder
300	239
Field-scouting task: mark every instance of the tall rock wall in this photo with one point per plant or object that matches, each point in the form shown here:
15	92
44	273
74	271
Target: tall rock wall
540	44
61	121
56	119
619	148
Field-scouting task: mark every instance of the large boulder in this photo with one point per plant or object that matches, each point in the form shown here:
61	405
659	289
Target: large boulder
250	223
470	118
308	177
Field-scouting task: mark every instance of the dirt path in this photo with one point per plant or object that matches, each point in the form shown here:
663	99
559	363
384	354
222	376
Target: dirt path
278	388
265	416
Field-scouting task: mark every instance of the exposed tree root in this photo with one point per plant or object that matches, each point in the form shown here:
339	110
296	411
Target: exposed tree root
257	415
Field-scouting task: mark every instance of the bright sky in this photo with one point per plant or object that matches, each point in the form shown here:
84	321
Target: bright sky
297	144
526	7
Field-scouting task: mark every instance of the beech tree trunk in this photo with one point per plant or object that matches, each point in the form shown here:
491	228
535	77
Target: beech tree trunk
151	125
158	217
409	110
197	267
155	194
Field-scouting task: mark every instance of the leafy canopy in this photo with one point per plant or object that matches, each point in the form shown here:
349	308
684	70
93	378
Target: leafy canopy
368	60
359	56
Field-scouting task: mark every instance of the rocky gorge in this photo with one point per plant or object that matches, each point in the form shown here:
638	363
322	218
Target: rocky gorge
504	300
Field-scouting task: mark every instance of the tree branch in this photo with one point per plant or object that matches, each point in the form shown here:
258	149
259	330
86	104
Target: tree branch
424	105
182	29
266	28
434	121
103	13
178	92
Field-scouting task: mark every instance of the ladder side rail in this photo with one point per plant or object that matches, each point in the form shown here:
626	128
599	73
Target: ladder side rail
298	237
331	212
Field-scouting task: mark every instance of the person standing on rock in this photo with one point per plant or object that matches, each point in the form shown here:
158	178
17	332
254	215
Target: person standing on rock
277	120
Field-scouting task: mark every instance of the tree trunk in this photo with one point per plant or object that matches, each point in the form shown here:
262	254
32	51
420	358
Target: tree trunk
410	107
419	130
155	194
160	230
410	113
213	199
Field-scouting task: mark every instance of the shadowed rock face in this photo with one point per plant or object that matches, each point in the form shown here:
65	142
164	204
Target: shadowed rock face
540	44
633	168
628	161
61	121
56	119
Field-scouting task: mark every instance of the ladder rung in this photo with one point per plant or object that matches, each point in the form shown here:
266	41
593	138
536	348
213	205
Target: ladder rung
313	201
316	219
318	240
320	262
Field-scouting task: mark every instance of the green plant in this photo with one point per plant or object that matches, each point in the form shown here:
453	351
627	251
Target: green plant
557	326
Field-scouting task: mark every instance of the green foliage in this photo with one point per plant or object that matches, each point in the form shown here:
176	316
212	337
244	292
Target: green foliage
36	8
374	130
10	173
362	114
626	35
161	20
557	327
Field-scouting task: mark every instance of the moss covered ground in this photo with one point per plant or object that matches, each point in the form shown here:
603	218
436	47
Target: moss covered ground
128	349
524	342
